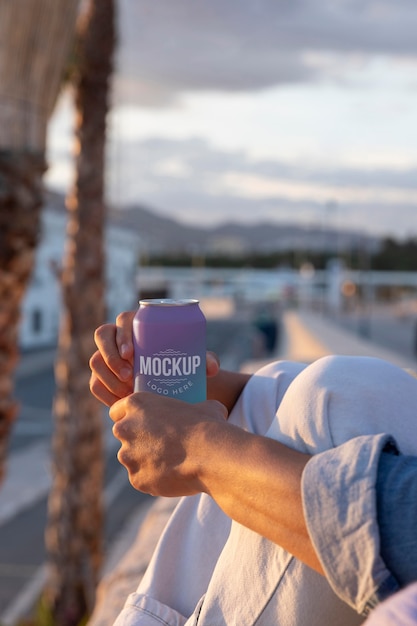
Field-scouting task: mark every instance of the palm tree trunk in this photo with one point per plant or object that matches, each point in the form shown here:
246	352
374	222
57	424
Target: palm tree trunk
35	39
73	534
20	204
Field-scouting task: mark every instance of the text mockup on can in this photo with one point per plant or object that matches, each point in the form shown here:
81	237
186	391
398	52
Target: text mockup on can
170	349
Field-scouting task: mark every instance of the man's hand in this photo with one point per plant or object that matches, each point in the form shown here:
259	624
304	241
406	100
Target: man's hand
163	441
112	364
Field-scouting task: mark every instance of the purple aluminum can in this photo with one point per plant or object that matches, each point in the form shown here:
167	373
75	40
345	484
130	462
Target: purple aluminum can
169	337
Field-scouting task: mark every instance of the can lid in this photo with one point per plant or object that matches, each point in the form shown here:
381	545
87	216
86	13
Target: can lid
167	302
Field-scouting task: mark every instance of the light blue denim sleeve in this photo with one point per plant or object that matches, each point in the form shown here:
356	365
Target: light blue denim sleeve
339	499
396	490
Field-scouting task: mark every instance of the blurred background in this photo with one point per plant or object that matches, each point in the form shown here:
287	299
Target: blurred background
259	156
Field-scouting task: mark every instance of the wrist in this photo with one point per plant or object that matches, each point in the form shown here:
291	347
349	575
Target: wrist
218	452
226	387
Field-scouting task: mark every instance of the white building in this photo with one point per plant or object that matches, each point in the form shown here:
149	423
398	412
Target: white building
42	303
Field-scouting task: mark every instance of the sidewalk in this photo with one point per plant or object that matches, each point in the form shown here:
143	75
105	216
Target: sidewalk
31	362
307	336
16	492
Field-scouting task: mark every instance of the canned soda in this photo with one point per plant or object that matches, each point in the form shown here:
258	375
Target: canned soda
169	337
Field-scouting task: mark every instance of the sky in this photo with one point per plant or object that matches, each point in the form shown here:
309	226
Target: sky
301	111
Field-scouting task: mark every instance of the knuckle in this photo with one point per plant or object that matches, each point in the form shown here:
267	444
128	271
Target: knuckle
134	403
93	384
98	333
121	457
122	430
113	362
117	430
95	358
123	318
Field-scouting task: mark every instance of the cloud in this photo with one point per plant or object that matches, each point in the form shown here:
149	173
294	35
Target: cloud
167	48
195	182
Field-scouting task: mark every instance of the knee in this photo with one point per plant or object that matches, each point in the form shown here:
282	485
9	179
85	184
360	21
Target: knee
257	406
337	398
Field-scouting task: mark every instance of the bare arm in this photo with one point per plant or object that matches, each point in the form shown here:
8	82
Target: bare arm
171	448
225	386
257	482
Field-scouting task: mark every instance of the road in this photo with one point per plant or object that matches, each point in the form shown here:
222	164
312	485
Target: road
22	551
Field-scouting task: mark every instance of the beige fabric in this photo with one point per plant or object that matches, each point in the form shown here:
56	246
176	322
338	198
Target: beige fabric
129	559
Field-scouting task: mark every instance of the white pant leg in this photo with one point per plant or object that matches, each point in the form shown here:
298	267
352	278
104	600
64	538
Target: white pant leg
331	401
341	397
184	560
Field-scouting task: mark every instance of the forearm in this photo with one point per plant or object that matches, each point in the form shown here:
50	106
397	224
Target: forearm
172	448
226	387
257	482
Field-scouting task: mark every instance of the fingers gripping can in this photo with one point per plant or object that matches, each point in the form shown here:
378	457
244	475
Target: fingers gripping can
169	338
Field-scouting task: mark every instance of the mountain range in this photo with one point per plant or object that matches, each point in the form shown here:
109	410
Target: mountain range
161	234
